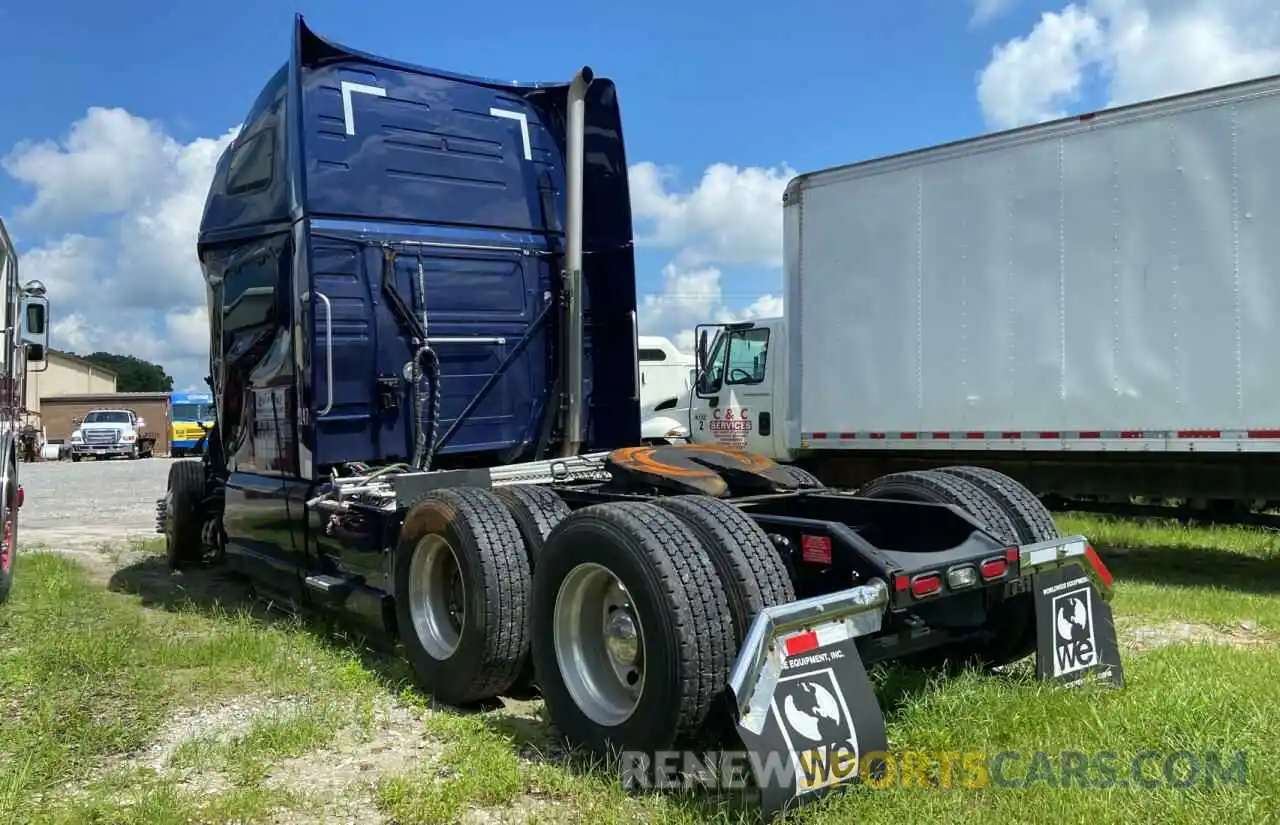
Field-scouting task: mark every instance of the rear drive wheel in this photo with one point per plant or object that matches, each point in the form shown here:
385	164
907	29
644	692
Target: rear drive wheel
8	533
537	510
461	593
184	519
1030	518
940	488
803	477
746	562
1012	621
631	630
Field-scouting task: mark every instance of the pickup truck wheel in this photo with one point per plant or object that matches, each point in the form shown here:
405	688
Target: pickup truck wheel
632	637
940	488
537	510
747	564
184	520
461	587
9	534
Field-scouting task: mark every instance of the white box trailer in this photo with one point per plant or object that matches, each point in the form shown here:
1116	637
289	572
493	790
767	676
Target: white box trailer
1092	304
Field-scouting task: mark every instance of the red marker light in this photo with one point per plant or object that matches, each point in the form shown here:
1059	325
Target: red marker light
802	643
926	585
993	568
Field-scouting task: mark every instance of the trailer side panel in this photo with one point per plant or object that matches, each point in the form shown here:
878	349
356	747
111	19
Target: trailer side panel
1106	282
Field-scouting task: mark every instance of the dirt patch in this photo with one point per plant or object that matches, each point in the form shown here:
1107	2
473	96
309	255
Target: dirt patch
338	780
1142	637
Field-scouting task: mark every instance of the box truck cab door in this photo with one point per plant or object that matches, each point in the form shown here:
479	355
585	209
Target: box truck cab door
733	405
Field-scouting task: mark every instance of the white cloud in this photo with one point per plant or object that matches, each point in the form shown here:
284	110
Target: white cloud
984	11
1140	49
732	217
694	296
135	286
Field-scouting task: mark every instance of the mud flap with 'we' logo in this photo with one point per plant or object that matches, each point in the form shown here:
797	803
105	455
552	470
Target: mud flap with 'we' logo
822	728
1076	634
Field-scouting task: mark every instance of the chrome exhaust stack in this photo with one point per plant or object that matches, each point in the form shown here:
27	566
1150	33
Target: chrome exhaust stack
573	338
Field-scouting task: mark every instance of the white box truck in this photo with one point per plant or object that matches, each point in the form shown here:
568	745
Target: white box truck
1090	305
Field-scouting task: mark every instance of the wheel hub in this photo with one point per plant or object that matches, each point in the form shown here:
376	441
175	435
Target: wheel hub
599	644
437	598
621	638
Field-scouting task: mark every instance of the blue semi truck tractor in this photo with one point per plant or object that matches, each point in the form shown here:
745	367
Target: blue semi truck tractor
424	372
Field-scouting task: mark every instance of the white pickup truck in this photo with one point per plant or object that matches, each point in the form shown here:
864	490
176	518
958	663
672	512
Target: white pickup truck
106	433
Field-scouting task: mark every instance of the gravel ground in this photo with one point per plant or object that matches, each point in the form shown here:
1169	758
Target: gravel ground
83	506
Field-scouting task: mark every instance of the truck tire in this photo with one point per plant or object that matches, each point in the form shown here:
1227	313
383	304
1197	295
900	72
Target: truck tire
1030	518
803	477
184	522
9	535
941	488
537	510
670	632
460	551
1013	620
748	565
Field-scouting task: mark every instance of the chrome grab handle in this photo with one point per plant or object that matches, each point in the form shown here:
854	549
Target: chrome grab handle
328	347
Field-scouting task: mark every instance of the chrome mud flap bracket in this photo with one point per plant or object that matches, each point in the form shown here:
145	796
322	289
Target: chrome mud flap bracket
1075	630
806	711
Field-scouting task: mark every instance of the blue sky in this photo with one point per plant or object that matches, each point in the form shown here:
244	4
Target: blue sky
726	99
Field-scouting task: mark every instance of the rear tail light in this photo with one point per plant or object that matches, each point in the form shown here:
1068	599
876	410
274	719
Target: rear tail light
993	568
22	495
926	585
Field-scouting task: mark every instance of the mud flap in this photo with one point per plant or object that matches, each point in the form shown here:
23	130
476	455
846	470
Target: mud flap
814	723
1075	631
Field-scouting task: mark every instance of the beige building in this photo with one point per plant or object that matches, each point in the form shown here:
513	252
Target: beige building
67	375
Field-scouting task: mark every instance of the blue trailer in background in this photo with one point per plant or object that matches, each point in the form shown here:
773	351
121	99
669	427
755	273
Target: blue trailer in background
424	367
190	414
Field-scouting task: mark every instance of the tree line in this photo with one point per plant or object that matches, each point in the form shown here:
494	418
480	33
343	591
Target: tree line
133	374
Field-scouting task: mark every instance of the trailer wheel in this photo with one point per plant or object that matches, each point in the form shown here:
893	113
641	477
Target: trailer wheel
748	565
9	534
461	583
1030	518
632	637
537	510
940	488
183	521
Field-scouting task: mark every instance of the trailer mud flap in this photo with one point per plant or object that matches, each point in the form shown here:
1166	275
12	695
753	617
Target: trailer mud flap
807	713
1075	630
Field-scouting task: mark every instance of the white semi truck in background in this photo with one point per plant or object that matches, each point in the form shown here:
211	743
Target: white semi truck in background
666	378
1091	306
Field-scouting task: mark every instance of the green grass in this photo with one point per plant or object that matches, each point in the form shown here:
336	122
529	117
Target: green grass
92	678
90	675
1218	575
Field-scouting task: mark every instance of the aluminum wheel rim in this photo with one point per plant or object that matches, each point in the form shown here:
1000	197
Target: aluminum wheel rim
599	644
437	605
